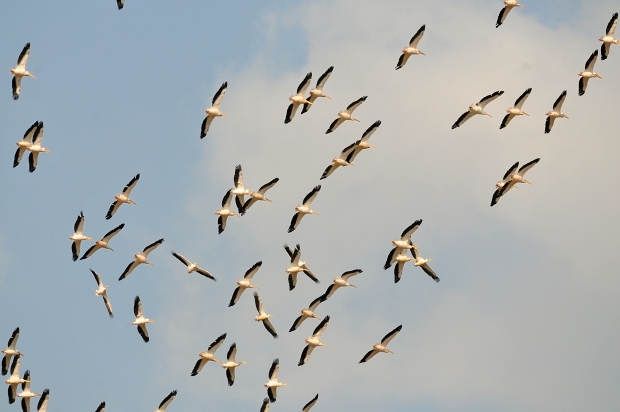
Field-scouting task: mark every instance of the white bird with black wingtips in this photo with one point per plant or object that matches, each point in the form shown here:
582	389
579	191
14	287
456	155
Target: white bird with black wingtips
192	267
209	355
298	98
231	364
166	402
362	144
423	263
318	90
225	212
509	5
382	347
304	209
239	191
588	73
103	292
78	236
140	320
140	258
342	160
260	195
556	112
307	313
35	148
25	143
500	188
401	259
20	71
123	197
608	38
341	281
26	394
514	178
14	379
402	244
346	114
477	108
412	48
264	316
213	111
103	242
10	351
516	110
245	283
273	383
297	265
313	341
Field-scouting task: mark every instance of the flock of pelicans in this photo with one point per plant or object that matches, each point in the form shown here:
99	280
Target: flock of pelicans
398	256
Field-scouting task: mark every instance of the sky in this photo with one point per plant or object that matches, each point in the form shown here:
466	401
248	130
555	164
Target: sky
525	316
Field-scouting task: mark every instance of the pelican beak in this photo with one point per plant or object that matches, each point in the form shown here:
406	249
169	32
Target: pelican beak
327	97
224	116
268	200
599	76
488	115
526	114
422	53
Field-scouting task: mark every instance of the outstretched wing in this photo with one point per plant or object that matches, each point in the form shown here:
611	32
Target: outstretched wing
219	95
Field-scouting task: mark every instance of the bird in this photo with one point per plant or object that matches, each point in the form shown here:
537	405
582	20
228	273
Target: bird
123	197
231	364
297	265
362	144
166	402
26	393
213	111
25	143
412	48
509	4
310	404
78	236
514	178
140	320
516	110
342	160
209	355
225	211
239	191
35	148
346	115
103	292
256	196
318	90
20	71
101	407
304	209
382	347
192	267
500	187
477	108
608	38
343	280
588	73
245	283
14	378
120	4
307	313
140	258
298	98
265	406
264	316
556	112
103	242
313	341
403	243
10	351
423	263
401	259
42	404
273	384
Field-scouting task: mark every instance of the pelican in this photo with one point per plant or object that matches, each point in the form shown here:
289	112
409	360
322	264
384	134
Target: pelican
513	179
25	143
423	263
35	148
339	282
403	243
297	265
26	393
239	191
307	313
245	283
313	341
209	355
304	209
412	48
260	195
608	38
556	112
264	316
362	144
509	4
78	236
500	187
231	364
14	379
224	212
140	320
42	405
265	406
123	197
166	402
318	90
477	108
192	267
120	4
103	242
382	347
213	111
298	98
20	71
140	258
310	404
516	110
401	259
342	160
10	351
346	115
103	292
273	384
588	73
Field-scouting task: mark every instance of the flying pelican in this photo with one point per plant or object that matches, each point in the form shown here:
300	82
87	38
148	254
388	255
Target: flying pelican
225	211
421	262
515	178
123	197
346	115
101	407
103	242
556	112
120	4
298	98
362	144
509	4
500	187
192	267
401	259
318	89
35	148
209	355
14	379
516	110
304	209
341	281
25	143
403	243
342	160
382	347
166	402
310	404
264	316
297	265
10	351
26	393
140	258
231	364
245	283
313	341
412	48
307	313
213	111
256	196
588	73
20	71
273	384
608	39
103	292
239	191
477	108
42	405
265	405
78	236
140	320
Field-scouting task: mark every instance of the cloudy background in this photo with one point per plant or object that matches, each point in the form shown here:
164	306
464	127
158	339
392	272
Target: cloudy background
525	317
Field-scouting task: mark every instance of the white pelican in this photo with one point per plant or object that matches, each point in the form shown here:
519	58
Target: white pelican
313	341
103	292
140	320
423	263
101	407
513	179
10	351
260	195
412	48
346	115
310	404
166	402
403	243
26	393
608	38
509	4
297	265
265	406
500	187
304	209
239	191
588	73
273	384
382	347
516	110
231	364
245	283
318	89
192	267
307	313
213	111
140	258
342	160
35	148
78	236
25	143
120	4
224	212
298	98
339	282
103	242
477	108
362	144
556	112
14	378
123	197
401	259
20	71
42	405
209	355
264	316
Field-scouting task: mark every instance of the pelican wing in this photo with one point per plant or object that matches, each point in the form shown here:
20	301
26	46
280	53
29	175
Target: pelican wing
311	196
274	369
496	195
219	95
238	178
300	319
38	134
236	295
549	123
26	385
107	303
591	61
181	258
488	99
315	303
430	272
106	238
205	274
351	107
216	343
33	159
519	102
306	107
90	251
42	404
164	404
305	355
120	4
463	118
506	120
263	189
295	221
15	366
523	169
132	183
324	77
19	153
290	252
272	393
112	210
331	289
305	83
335	125
97	278
16	85
369	356
402	60
23	57
350	273
232	352
25	404
226	200
270	328
200	363
611	26
78	226
406	235
265	406
310	404
252	271
398	271
605	50
309	273
583	85
206	124
143	332
417	37
557	106
391	257
290	112
230	376
387	338
152	247
502	16
130	267
329	170
318	331
221	224
137	307
369	132
101	407
292	281
510	171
